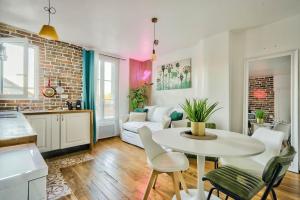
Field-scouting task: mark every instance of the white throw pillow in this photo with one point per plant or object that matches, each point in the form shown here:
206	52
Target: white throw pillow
159	113
137	116
150	111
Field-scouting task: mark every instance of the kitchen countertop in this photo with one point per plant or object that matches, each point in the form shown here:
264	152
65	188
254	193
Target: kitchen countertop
40	112
20	163
14	125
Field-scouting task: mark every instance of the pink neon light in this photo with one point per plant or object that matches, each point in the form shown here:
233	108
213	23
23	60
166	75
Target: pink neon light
146	75
259	93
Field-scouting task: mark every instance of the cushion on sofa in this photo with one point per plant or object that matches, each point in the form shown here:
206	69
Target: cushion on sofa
175	116
134	126
140	110
159	113
137	116
179	109
150	111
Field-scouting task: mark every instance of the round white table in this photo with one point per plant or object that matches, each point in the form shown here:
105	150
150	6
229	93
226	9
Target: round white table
228	144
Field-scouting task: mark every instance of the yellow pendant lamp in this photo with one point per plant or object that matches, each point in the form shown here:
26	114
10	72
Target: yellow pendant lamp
48	31
155	41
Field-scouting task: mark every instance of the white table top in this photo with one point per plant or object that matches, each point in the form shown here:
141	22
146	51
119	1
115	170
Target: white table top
228	144
20	163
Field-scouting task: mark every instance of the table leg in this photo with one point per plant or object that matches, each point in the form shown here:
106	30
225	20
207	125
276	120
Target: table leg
199	193
200	183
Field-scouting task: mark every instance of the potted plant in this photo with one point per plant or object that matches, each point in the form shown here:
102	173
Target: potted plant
260	116
137	97
198	112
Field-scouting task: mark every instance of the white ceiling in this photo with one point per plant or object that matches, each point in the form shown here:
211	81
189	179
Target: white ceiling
269	67
123	27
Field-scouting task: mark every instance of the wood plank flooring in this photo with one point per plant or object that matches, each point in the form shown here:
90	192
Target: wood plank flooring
120	171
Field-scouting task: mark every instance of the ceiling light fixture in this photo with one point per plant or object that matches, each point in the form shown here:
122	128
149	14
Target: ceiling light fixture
155	41
48	31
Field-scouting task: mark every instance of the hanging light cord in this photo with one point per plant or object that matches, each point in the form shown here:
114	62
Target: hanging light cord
50	10
154	36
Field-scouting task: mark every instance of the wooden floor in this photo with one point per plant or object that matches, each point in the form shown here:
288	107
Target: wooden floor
120	171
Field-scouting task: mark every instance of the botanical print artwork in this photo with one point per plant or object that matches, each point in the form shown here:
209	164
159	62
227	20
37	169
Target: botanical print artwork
176	75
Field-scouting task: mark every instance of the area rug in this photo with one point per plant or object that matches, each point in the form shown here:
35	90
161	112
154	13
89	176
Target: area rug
57	187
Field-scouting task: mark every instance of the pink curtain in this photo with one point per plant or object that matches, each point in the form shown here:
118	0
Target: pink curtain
140	72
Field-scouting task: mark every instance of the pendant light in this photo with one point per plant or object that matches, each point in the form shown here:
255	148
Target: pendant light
48	31
155	41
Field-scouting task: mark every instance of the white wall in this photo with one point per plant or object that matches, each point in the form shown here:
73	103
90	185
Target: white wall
210	76
236	77
124	87
215	69
282	97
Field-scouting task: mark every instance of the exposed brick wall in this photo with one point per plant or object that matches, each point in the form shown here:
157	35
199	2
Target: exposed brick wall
264	84
58	60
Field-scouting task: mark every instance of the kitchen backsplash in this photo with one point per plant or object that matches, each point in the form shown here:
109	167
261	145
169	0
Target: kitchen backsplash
58	61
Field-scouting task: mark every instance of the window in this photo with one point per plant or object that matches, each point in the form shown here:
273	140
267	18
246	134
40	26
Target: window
106	91
18	69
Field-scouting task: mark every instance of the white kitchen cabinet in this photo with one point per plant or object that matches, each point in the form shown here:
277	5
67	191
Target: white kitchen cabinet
55	131
75	129
42	126
18	192
60	130
23	173
37	189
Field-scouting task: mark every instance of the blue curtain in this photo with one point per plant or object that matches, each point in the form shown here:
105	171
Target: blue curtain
89	85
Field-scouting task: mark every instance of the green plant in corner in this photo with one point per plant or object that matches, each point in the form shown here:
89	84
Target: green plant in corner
137	97
198	112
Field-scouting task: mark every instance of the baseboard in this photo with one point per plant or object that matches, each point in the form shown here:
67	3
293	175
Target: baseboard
60	152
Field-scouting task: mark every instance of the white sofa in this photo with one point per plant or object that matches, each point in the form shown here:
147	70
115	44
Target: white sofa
157	119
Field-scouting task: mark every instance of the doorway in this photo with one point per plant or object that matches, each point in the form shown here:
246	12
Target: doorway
271	97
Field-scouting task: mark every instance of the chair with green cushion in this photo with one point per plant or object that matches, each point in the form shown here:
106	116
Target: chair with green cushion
238	184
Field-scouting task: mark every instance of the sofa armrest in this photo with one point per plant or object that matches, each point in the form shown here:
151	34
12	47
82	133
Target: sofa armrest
123	119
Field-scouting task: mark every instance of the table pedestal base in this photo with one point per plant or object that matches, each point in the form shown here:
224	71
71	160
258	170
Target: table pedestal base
193	195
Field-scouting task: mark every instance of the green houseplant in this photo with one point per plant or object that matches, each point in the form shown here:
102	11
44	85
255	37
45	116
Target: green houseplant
198	111
260	116
137	97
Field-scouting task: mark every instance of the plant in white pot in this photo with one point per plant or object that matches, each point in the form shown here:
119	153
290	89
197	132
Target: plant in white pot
198	112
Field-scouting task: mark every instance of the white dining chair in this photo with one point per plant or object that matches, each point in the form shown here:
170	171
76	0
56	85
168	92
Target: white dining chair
255	164
162	161
286	129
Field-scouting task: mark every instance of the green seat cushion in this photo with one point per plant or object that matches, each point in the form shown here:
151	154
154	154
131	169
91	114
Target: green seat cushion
210	125
140	110
176	116
235	181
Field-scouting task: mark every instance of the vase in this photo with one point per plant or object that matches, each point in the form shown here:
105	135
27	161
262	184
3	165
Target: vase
260	120
198	128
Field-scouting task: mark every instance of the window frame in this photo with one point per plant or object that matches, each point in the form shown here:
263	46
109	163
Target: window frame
24	42
100	80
